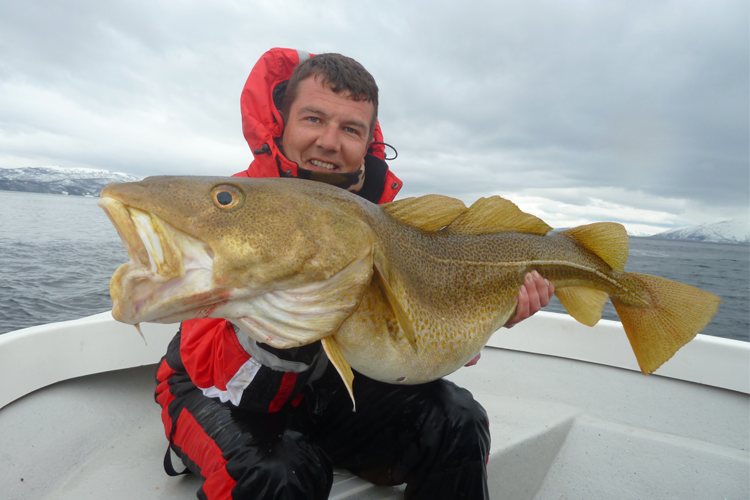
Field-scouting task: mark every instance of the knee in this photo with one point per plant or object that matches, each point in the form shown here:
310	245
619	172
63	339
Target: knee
293	468
465	425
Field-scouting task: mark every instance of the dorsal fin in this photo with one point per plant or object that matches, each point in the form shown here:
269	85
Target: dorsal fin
430	212
496	215
608	240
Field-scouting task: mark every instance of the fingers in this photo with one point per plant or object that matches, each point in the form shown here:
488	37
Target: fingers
544	289
542	292
533	287
474	361
522	308
550	293
534	294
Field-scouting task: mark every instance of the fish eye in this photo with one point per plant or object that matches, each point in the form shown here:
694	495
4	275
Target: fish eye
226	197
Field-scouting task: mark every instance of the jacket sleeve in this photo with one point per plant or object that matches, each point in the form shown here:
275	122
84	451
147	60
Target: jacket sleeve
226	364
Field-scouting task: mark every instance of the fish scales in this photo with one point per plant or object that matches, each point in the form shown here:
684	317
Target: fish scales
479	278
405	292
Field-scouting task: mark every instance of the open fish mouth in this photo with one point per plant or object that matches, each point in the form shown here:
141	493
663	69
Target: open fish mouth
146	239
167	266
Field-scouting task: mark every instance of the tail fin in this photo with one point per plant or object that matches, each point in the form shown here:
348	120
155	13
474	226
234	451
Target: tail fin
674	317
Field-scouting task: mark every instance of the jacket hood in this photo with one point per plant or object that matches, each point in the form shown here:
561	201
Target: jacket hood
260	105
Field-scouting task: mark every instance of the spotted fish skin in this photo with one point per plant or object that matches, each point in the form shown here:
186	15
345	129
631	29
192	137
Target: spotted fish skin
405	292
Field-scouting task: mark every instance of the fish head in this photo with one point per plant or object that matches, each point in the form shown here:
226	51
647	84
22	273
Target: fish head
286	260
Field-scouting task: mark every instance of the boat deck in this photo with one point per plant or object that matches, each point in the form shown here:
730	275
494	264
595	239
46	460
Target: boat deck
560	429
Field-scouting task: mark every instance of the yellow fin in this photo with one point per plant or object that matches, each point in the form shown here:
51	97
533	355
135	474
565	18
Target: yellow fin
496	215
675	314
608	240
332	349
583	303
398	311
429	213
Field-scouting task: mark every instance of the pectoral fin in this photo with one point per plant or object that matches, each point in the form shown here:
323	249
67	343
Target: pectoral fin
332	349
398	311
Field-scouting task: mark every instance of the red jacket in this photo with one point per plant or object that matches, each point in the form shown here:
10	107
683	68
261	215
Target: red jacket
229	365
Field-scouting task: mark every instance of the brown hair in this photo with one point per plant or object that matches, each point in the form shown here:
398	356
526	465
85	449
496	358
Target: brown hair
341	74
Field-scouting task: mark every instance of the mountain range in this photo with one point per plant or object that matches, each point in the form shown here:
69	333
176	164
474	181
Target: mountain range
728	231
60	180
90	182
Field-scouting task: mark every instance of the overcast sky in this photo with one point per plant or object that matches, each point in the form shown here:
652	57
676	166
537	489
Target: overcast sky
578	111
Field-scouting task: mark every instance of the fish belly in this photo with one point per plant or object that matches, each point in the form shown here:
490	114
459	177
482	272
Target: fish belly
376	346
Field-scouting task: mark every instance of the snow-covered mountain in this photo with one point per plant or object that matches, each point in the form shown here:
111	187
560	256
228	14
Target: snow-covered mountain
60	180
728	231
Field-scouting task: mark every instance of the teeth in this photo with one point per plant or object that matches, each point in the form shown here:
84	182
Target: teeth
125	226
150	241
168	269
164	257
327	166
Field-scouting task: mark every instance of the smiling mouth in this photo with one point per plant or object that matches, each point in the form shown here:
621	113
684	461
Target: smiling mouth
323	165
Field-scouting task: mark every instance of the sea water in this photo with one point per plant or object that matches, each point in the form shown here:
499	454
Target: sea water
57	254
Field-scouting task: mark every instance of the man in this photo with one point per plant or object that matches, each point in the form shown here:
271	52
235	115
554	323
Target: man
259	422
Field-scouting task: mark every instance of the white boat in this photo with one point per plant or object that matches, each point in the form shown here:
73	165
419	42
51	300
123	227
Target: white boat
571	415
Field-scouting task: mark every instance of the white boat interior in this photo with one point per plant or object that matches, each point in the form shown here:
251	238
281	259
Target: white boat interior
571	415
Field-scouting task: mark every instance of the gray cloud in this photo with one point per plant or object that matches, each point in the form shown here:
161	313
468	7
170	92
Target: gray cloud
644	100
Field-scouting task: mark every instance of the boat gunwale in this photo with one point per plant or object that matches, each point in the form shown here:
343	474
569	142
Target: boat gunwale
42	355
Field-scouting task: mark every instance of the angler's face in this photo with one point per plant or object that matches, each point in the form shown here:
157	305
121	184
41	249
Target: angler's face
327	132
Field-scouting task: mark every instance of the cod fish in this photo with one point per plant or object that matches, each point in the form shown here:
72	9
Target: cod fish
404	292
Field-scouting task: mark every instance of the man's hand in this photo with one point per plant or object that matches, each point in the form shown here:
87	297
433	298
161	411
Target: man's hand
535	293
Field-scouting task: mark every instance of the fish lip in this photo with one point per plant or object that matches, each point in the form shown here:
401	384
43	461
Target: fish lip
120	217
156	259
148	239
